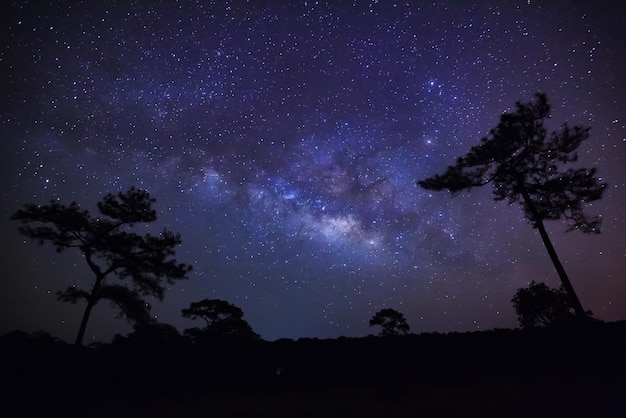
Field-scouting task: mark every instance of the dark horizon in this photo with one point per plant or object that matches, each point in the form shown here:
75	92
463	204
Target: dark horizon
473	374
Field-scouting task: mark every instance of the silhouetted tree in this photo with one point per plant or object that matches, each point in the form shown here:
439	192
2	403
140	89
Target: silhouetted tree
523	163
110	248
222	320
540	306
392	322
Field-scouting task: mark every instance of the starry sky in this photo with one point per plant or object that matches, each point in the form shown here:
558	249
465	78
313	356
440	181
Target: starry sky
283	140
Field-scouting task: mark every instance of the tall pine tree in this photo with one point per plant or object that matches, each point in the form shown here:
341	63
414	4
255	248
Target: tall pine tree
524	164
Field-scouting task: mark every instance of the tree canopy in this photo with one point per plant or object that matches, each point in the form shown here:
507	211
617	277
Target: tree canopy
524	164
142	263
540	306
392	322
523	161
222	320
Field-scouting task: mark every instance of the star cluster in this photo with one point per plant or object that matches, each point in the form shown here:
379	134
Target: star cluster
283	140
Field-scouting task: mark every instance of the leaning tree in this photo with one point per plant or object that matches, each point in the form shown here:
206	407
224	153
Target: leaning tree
524	164
110	249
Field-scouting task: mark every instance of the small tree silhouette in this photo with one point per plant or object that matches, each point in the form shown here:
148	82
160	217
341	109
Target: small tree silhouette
110	248
540	306
392	322
522	163
222	320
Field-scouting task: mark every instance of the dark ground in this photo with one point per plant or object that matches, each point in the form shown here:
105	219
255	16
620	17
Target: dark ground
569	372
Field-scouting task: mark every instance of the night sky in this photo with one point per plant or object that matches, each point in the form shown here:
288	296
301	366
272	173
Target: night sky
283	140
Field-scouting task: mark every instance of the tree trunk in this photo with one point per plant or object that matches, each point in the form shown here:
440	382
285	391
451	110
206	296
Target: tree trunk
567	285
91	301
83	322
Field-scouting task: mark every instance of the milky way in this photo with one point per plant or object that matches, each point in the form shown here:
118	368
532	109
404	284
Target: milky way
283	140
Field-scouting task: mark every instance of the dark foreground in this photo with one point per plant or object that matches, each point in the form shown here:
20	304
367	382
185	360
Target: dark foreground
570	372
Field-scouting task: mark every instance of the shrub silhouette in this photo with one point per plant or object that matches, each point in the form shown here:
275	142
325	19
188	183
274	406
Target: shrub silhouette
152	333
541	306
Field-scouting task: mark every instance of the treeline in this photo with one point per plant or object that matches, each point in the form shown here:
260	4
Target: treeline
555	371
176	364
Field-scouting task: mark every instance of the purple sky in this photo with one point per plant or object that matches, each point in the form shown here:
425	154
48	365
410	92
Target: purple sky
283	140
